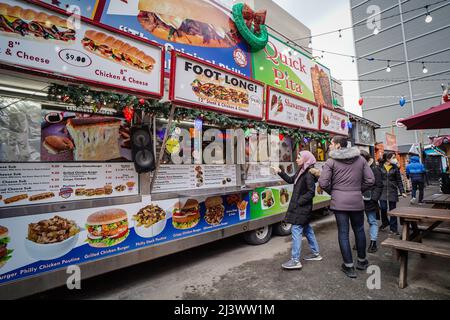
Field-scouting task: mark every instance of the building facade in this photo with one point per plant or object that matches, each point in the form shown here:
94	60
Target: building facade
403	35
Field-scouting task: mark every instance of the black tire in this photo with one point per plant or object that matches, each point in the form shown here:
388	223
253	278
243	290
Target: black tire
282	228
258	236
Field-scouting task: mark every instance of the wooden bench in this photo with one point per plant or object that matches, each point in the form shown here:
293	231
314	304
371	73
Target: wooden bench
403	247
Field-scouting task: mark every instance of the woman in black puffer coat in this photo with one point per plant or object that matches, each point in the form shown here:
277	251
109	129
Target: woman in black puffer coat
300	208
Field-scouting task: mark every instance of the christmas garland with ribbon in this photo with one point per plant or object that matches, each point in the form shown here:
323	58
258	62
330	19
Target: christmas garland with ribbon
82	97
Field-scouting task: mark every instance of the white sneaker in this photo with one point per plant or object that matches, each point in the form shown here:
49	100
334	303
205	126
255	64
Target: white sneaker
412	201
313	257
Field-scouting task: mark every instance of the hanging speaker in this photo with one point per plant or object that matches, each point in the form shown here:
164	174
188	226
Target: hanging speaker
142	149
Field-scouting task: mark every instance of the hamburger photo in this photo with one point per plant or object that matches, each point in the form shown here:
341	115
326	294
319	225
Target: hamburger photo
107	228
193	22
5	253
188	216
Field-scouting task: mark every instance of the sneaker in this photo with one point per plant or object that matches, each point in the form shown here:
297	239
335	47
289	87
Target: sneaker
421	203
349	271
396	233
313	257
412	201
362	265
291	264
383	226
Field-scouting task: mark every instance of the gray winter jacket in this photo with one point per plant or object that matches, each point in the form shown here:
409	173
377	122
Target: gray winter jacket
345	176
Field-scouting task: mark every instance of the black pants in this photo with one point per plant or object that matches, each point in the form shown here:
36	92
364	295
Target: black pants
418	185
392	221
357	222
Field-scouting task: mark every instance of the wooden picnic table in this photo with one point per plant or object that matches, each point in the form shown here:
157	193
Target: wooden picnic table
411	239
438	200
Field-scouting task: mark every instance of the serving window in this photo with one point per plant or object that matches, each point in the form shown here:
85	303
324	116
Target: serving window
50	154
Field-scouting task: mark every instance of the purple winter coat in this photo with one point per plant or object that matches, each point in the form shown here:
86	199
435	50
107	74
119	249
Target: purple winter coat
345	176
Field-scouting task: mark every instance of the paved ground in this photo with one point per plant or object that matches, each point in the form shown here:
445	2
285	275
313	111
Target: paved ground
231	269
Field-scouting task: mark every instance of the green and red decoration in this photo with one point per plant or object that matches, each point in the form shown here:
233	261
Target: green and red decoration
83	96
251	26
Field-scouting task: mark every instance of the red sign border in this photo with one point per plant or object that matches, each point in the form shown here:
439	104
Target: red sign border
58	76
173	61
337	111
293	96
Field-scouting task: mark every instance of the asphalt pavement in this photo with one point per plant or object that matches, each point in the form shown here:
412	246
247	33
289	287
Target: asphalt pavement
232	269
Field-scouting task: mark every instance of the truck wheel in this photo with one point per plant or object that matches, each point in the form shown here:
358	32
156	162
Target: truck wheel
282	228
258	236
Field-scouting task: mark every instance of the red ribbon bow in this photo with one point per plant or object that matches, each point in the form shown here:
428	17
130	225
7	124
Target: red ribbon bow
254	18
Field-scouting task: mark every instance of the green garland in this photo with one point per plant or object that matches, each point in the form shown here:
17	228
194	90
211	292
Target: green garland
82	96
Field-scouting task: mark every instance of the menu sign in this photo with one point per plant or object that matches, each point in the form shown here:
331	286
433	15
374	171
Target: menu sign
185	177
292	71
64	46
288	110
200	84
37	183
334	122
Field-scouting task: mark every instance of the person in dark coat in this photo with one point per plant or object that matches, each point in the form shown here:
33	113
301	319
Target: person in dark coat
299	212
416	172
371	198
345	176
392	185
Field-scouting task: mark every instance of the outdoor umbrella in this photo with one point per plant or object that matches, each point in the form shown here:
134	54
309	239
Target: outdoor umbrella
434	118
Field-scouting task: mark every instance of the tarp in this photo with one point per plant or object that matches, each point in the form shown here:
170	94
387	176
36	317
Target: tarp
434	118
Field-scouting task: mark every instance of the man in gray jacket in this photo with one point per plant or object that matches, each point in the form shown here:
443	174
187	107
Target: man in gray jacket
345	176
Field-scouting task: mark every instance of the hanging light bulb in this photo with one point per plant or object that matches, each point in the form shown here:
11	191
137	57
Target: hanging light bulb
310	43
353	59
424	69
388	68
340	35
376	31
322	55
428	17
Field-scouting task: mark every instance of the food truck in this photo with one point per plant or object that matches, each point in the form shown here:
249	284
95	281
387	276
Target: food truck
126	136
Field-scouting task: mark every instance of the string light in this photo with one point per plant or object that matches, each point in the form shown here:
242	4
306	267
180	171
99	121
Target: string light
322	55
340	35
353	59
388	68
424	69
376	31
428	17
310	43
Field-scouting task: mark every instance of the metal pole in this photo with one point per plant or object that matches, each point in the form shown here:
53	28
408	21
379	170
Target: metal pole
407	65
163	146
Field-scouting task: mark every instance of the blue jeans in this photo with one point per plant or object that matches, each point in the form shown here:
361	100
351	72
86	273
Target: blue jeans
357	221
373	225
417	185
393	225
297	232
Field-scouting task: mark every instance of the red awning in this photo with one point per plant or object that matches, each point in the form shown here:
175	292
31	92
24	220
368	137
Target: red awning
434	118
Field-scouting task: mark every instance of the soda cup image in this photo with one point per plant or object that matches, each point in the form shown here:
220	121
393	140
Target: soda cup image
242	210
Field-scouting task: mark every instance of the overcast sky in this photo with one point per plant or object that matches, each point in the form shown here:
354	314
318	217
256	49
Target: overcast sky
326	15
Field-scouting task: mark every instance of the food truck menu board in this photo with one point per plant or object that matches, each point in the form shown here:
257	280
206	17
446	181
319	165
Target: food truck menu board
334	122
37	183
195	83
57	44
185	177
289	110
90	234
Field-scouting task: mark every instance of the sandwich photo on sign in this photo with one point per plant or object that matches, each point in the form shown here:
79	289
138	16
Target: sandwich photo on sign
84	137
17	21
116	50
107	228
219	93
191	22
187	216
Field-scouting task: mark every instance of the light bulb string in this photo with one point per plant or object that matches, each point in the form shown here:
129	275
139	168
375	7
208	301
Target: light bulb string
362	23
